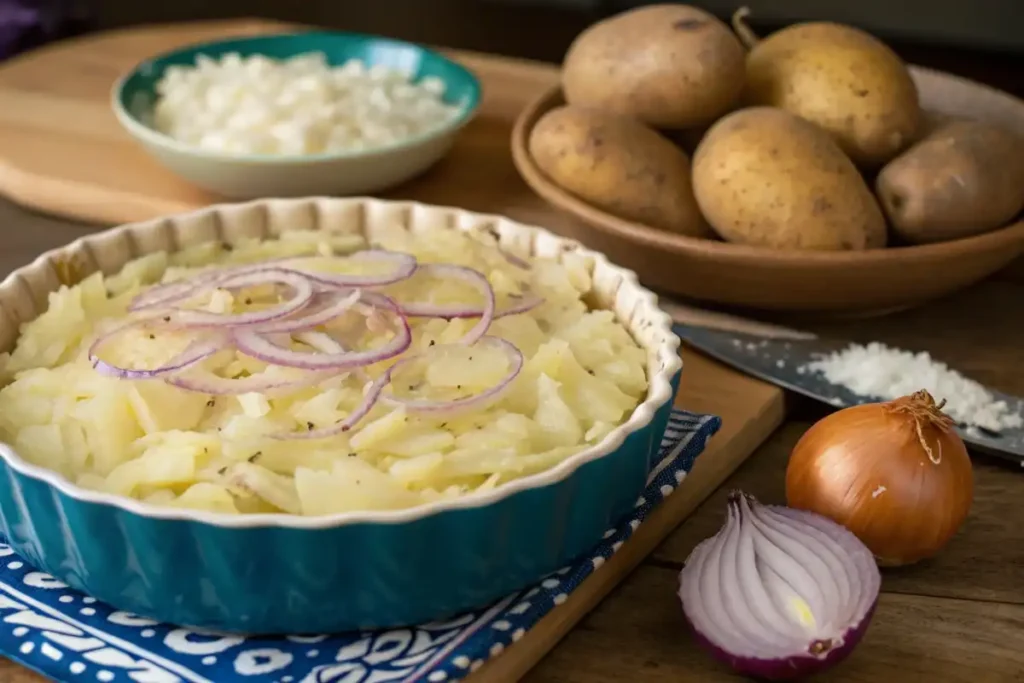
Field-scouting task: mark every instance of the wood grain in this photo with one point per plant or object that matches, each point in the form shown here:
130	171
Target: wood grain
478	174
638	634
56	122
865	282
750	411
984	562
955	619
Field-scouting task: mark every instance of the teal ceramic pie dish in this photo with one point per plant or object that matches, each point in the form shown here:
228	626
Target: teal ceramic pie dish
270	175
276	573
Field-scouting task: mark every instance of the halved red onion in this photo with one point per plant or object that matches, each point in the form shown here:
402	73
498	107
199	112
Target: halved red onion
779	593
469	276
403	266
302	293
370	396
270	349
455	406
201	348
325	307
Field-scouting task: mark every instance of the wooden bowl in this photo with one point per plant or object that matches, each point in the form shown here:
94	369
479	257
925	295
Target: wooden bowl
849	283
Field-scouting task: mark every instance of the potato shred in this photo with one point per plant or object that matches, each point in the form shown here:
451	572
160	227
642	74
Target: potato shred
314	373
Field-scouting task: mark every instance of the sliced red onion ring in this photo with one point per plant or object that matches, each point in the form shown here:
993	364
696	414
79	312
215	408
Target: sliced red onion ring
169	293
370	396
520	304
404	266
321	341
271	350
172	292
196	351
470	276
165	294
418	405
325	307
203	381
301	287
779	593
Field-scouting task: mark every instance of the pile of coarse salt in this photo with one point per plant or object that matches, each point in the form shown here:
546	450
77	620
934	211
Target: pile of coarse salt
878	371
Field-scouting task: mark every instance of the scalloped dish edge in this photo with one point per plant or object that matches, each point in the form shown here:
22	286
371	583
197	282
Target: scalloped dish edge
664	350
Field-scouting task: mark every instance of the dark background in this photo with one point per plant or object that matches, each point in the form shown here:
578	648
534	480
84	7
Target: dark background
981	39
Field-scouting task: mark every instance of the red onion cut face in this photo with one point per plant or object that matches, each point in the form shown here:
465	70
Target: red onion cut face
779	593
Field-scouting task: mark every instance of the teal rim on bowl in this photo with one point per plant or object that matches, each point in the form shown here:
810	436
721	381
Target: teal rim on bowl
134	94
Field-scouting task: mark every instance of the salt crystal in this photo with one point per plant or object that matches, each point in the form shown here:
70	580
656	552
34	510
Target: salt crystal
878	371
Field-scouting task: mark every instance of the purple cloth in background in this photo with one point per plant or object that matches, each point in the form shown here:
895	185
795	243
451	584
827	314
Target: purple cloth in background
25	24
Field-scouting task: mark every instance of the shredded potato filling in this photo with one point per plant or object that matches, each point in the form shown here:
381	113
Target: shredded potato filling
218	398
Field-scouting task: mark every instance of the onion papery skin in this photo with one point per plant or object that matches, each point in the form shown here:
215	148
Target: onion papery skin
865	468
736	611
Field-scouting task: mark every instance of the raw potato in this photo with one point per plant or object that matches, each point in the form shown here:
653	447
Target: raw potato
964	179
620	166
669	66
583	375
841	79
765	177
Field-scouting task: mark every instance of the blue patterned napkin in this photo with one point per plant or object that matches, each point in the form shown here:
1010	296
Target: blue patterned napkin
68	636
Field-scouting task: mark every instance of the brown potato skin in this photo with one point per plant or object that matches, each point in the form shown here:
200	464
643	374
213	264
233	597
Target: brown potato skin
669	66
964	179
619	166
767	178
842	79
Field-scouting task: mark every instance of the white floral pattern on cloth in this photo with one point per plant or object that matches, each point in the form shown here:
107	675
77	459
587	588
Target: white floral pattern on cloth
67	636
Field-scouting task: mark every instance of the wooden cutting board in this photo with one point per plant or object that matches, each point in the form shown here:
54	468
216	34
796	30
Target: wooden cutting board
62	152
750	412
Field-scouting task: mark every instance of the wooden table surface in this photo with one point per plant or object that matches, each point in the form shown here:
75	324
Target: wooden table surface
959	618
956	619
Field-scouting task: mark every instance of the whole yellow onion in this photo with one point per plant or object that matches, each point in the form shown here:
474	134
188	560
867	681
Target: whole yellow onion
896	474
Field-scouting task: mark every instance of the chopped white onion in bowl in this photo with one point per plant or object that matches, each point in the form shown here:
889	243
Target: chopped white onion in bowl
301	105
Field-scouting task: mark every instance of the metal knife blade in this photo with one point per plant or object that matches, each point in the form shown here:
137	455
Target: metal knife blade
777	354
